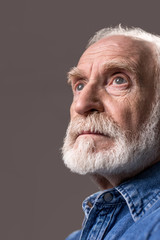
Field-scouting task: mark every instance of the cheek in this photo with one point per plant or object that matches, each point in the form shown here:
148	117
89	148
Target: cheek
131	113
124	113
72	112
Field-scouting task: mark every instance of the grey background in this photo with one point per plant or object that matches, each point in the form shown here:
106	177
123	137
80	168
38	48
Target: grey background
39	42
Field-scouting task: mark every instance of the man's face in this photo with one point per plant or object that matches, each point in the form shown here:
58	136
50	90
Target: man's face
113	84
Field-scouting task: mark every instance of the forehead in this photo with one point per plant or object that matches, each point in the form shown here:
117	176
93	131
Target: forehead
117	47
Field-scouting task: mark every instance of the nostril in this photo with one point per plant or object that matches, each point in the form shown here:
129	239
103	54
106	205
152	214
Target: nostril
93	110
87	101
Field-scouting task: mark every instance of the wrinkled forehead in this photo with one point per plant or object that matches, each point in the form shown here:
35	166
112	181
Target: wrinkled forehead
119	46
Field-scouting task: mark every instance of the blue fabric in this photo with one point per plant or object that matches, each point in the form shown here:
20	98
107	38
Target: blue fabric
129	211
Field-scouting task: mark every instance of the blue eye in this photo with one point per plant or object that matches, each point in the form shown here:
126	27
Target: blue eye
119	80
80	86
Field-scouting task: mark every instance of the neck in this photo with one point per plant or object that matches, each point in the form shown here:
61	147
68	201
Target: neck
105	182
110	181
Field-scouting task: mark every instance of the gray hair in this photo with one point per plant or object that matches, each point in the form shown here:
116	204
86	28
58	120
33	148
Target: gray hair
136	33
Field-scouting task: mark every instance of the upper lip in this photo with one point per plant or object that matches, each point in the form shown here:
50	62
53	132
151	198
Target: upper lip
90	132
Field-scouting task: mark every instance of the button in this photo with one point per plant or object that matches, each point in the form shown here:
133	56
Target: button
89	204
108	197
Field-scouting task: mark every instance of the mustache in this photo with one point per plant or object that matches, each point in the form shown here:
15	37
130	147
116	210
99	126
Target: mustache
94	123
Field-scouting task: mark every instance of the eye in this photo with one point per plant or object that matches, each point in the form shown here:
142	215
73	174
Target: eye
119	80
118	83
79	87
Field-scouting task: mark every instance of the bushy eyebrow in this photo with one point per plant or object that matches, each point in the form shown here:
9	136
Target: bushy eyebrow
122	64
113	64
75	73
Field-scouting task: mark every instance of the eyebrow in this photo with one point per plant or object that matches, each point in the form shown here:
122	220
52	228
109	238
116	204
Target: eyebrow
122	64
113	64
75	72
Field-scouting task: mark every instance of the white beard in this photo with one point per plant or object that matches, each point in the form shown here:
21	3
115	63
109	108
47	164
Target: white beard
125	156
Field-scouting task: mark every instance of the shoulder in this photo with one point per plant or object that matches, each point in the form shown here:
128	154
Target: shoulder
155	232
149	225
74	236
146	228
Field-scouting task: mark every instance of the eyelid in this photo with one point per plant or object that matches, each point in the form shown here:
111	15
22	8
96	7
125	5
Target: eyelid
75	83
121	75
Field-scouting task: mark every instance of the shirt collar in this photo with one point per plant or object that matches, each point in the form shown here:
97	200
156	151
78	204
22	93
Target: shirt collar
142	191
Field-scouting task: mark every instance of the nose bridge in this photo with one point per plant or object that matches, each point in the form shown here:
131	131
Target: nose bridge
91	91
89	99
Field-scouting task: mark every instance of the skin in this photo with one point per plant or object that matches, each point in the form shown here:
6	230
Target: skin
114	76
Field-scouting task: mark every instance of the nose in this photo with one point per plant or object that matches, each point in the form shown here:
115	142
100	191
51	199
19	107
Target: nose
89	100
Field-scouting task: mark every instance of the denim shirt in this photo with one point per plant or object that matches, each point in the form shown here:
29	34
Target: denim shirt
129	211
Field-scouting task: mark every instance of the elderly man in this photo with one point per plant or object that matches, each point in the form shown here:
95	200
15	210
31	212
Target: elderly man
114	134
